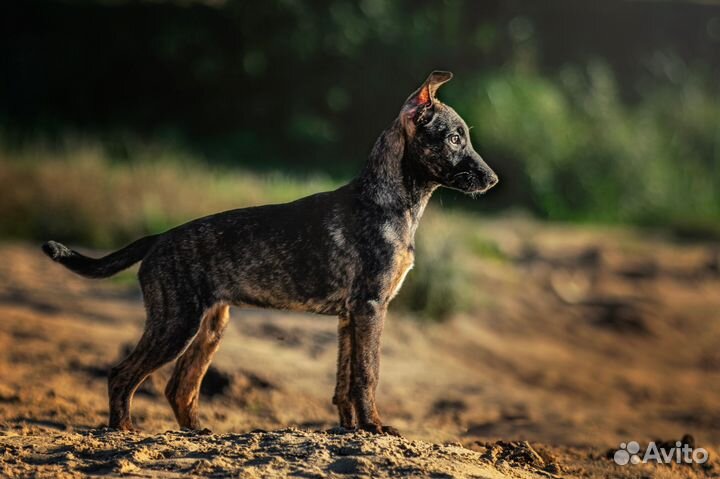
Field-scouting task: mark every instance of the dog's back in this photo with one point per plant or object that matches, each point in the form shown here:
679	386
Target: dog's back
294	256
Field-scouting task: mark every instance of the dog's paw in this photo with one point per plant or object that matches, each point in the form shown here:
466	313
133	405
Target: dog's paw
341	430
372	428
391	431
123	427
380	429
200	431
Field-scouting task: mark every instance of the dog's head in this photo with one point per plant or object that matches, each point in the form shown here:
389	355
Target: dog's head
438	141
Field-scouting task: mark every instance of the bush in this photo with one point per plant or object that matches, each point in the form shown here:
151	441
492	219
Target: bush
589	155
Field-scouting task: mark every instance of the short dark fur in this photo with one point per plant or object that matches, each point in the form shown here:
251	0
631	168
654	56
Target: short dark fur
344	253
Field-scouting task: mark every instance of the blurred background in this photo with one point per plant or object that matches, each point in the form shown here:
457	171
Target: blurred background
594	263
590	111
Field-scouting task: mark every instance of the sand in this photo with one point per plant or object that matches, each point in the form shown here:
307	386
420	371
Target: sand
585	339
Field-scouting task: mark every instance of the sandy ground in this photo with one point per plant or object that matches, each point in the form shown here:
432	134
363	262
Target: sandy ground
583	339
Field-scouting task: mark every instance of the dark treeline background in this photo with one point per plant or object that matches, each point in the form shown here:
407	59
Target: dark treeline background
307	86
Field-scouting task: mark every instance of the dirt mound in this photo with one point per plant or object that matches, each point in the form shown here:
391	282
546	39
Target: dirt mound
518	454
288	452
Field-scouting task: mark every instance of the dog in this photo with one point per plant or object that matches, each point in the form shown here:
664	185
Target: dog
344	253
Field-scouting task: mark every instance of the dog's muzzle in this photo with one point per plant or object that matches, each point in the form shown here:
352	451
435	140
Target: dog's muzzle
471	182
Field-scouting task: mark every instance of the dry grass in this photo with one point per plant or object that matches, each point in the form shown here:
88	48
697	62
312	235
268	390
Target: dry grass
78	193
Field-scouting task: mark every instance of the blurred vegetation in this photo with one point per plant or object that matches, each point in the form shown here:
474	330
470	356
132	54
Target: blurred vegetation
589	111
80	193
437	287
452	251
585	155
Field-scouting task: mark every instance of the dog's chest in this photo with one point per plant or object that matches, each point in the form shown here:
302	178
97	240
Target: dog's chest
399	236
403	262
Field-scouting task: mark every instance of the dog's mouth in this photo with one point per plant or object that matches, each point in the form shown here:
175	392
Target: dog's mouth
472	183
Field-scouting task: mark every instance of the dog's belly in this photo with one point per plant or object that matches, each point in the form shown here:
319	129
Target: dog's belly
307	288
334	304
280	257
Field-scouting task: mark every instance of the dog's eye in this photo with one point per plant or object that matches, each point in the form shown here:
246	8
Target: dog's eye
454	139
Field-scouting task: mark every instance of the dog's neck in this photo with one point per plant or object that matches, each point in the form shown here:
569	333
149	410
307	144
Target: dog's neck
392	180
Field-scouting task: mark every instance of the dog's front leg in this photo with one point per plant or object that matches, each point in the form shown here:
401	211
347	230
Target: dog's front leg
367	320
342	398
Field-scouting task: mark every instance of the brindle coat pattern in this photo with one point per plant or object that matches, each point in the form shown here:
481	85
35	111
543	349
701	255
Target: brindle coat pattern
343	253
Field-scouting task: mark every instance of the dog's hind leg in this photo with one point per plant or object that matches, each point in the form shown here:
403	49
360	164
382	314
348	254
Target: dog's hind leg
169	329
342	399
183	389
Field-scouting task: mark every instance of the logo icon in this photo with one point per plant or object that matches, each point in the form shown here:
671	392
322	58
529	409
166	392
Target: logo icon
628	453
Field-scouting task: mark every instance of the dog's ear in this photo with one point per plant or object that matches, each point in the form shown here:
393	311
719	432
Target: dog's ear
418	106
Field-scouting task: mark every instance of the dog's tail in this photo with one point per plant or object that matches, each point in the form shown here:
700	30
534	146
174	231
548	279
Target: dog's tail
99	267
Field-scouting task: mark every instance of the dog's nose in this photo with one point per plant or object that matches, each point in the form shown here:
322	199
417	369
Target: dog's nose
493	180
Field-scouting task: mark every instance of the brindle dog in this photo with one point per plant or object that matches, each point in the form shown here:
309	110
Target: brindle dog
343	253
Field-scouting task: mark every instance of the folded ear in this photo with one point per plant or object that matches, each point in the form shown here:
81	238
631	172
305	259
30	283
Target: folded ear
419	103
